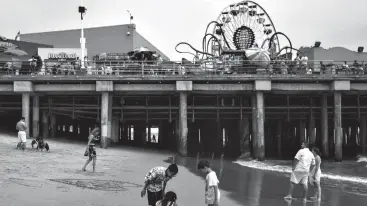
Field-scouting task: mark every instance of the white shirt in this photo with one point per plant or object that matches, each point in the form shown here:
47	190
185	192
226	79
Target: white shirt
306	159
304	60
211	180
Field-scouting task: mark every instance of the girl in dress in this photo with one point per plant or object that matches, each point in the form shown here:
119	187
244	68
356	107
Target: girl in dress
315	174
169	199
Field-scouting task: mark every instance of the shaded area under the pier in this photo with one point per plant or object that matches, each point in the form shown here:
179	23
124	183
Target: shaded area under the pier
221	124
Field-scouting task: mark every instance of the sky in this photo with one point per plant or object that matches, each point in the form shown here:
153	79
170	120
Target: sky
167	22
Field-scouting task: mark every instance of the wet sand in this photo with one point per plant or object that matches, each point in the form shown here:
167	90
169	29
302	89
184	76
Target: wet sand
26	179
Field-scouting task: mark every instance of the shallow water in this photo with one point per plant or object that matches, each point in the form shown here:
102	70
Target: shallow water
248	186
350	176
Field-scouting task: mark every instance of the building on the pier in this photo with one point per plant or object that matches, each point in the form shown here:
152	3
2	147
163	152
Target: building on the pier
334	54
107	39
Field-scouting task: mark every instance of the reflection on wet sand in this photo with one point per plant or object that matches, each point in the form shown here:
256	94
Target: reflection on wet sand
295	202
254	187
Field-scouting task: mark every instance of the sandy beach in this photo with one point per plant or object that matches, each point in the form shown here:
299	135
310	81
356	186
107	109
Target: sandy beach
55	178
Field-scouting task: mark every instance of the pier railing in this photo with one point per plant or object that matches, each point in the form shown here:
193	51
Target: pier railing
215	67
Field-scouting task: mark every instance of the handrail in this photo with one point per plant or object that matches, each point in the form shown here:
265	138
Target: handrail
203	67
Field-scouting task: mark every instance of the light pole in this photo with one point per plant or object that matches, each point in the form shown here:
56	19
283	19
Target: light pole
82	11
131	17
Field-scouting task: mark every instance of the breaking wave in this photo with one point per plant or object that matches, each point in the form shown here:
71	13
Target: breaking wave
287	169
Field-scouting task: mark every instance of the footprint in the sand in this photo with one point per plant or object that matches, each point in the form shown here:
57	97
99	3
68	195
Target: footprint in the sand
104	185
11	170
26	183
63	188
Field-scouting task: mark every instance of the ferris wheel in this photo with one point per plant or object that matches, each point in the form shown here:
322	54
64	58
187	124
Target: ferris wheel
242	26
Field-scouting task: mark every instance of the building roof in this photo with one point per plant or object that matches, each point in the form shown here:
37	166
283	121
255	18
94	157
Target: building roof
104	39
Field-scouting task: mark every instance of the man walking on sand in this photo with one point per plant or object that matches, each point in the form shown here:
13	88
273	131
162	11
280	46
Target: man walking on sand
302	163
22	135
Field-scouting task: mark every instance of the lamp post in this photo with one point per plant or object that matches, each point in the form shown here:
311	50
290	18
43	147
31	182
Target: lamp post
82	11
131	17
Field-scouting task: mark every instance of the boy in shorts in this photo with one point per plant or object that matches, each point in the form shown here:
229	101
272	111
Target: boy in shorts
212	193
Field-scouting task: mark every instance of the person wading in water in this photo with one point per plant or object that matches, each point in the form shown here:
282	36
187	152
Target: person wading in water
22	135
315	175
303	163
91	149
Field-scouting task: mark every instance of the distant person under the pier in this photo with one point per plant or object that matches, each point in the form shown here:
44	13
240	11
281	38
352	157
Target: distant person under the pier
22	134
154	139
156	181
302	163
91	149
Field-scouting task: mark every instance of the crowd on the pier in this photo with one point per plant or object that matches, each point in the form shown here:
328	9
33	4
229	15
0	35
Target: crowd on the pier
306	170
299	65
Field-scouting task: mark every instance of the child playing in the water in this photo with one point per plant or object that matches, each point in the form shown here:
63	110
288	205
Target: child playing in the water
212	193
315	174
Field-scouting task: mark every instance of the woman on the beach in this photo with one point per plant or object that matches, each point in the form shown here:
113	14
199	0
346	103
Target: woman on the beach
169	199
315	175
91	149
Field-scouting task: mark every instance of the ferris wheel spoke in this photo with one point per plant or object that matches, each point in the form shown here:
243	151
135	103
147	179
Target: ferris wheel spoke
228	28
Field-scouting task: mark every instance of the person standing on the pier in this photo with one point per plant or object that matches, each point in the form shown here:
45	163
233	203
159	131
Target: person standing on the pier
156	181
22	134
302	163
315	175
212	193
91	149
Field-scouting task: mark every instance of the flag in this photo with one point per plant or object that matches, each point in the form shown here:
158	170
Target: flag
17	36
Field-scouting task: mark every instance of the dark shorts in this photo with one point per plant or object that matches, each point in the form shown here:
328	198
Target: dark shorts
154	197
92	153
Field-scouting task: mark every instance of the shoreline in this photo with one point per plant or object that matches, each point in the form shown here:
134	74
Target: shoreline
281	167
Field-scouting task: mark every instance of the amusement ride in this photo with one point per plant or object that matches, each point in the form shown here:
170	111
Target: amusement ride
242	36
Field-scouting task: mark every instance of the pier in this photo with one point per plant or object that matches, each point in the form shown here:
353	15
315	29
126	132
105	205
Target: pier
258	115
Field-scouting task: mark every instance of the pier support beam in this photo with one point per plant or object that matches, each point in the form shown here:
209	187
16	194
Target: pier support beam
259	140
338	134
105	123
244	132
279	131
115	129
53	125
109	122
182	149
363	133
36	117
324	127
25	110
311	129
254	126
45	125
302	135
